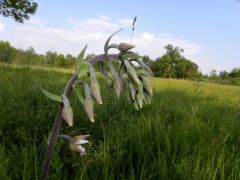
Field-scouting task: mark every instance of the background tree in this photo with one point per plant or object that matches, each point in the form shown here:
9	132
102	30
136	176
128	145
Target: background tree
20	10
223	74
235	72
7	52
174	64
146	59
213	74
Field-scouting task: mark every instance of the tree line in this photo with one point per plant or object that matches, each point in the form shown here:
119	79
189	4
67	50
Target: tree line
172	64
9	54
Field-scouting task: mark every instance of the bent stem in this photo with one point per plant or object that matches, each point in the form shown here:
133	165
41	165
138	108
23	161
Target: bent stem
58	118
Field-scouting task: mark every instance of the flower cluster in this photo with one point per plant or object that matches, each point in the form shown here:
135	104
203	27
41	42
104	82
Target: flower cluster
124	72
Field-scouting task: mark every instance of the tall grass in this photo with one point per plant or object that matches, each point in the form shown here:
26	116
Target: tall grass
190	131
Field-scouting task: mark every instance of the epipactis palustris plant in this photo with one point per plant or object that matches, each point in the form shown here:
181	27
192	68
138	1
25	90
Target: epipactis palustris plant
123	72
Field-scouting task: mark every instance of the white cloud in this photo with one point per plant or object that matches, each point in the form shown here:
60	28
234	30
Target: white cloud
2	26
125	22
147	36
100	24
101	16
94	32
35	21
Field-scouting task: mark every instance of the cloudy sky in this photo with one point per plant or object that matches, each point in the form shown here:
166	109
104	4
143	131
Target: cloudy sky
208	31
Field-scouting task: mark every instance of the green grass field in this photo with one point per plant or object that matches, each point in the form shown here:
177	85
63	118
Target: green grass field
190	131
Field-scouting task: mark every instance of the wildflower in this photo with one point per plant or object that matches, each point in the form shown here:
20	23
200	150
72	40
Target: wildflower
67	112
145	67
88	103
123	47
116	79
147	86
147	98
139	100
94	86
131	72
132	90
77	142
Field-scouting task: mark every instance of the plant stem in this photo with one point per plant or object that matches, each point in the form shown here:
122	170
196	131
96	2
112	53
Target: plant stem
58	118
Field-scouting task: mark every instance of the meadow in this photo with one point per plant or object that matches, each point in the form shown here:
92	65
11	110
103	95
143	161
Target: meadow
191	130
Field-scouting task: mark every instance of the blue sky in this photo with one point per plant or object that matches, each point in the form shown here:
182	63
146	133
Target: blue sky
208	31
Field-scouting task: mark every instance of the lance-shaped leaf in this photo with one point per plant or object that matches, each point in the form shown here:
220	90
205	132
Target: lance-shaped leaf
123	47
116	79
108	40
50	95
94	86
81	65
145	67
147	86
67	112
88	102
131	72
78	93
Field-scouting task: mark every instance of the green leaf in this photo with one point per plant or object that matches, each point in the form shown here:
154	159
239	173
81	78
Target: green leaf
50	95
81	56
107	42
81	65
78	93
83	69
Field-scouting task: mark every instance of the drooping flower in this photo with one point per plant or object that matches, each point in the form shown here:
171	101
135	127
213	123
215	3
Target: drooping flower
67	112
94	86
125	47
131	72
77	142
88	102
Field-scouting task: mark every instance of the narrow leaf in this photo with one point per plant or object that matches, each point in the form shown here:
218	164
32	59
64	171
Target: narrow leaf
50	95
83	69
81	65
108	40
81	56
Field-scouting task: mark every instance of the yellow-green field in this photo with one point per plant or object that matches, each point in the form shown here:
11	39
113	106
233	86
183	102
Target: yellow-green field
190	131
